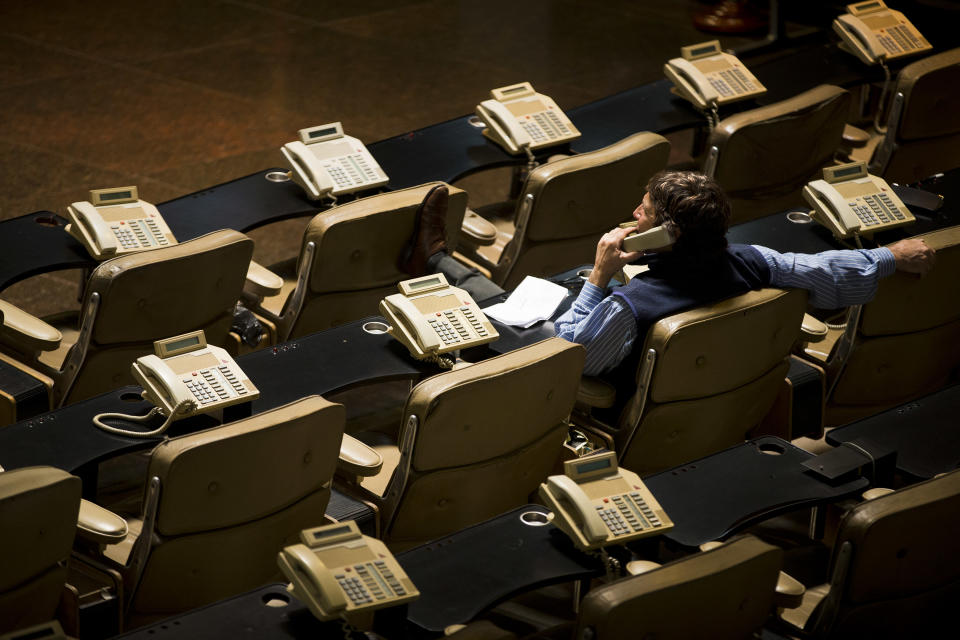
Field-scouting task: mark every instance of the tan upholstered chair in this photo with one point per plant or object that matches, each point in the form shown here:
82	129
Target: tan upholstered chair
348	261
894	568
922	135
763	157
38	520
135	299
219	504
903	344
475	442
706	377
565	206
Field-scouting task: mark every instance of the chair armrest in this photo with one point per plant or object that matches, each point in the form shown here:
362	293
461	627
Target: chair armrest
596	393
261	281
21	329
99	525
358	459
789	592
855	137
875	492
477	230
636	567
812	329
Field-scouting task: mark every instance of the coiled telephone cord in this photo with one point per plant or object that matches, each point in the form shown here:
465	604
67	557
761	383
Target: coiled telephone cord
97	421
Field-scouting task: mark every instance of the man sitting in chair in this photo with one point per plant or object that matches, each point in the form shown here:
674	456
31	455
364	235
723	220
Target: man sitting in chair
698	268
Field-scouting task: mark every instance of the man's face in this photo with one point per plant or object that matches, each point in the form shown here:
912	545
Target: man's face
644	214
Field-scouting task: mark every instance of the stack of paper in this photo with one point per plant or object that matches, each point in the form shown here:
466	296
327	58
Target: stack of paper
533	301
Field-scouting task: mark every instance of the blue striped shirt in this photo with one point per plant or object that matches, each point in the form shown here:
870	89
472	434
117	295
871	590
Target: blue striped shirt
607	329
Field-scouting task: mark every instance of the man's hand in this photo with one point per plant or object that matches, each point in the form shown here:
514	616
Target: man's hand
610	256
913	255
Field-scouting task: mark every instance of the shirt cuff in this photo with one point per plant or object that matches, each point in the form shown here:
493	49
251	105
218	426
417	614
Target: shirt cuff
886	263
591	295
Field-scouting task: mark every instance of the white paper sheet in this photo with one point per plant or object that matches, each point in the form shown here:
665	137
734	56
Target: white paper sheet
534	300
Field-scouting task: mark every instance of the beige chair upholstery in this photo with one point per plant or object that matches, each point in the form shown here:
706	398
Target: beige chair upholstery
38	520
903	344
923	126
132	300
348	261
219	504
894	570
725	593
566	205
475	442
707	377
763	157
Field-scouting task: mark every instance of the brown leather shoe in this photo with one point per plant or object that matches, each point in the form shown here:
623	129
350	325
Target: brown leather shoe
429	232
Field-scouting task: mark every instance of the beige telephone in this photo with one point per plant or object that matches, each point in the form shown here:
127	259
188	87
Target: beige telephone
598	503
336	570
430	317
708	77
326	161
115	222
874	33
518	117
185	375
655	238
849	201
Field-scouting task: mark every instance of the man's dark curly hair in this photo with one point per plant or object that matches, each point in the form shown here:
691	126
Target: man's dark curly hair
694	208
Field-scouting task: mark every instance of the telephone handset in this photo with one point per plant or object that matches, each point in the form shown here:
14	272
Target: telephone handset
708	77
115	222
325	160
336	570
848	201
185	375
430	317
597	503
519	117
875	33
655	238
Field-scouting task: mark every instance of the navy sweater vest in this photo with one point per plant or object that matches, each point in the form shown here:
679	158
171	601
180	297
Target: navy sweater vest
677	283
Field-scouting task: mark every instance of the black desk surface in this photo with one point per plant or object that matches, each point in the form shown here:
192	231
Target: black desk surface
924	433
713	497
471	570
316	364
458	577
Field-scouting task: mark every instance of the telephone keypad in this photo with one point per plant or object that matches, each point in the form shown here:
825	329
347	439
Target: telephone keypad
472	319
232	379
373	581
629	514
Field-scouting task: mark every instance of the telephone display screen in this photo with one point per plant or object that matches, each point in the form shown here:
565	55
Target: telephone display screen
329	533
842	173
702	50
116	195
180	344
587	467
424	284
322	132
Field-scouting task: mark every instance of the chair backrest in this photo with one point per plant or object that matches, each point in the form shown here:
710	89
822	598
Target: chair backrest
356	249
566	205
896	573
908	340
146	296
477	441
923	129
713	374
763	157
230	498
38	519
724	593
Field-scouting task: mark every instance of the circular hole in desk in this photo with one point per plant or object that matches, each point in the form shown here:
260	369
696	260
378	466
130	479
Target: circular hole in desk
534	518
130	396
376	328
278	176
47	221
584	273
772	449
476	122
275	600
799	217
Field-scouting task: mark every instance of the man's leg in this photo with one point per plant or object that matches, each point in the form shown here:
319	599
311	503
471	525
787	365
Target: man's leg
427	252
479	286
